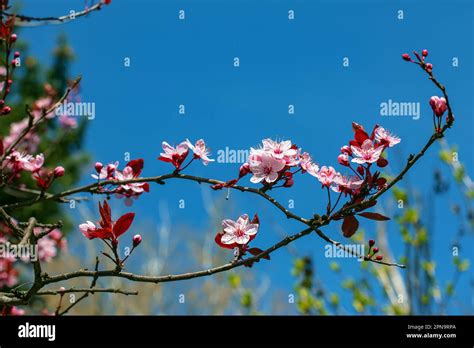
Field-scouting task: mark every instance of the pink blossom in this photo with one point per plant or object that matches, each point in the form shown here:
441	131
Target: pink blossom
30	141
34	164
128	174
279	150
325	175
175	156
200	151
23	161
385	137
87	228
438	105
307	165
366	153
239	232
265	167
346	184
67	122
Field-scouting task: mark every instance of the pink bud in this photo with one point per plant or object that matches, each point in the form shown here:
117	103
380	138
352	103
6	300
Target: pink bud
244	170
13	37
16	54
406	57
346	149
59	171
98	166
371	242
376	250
438	105
379	258
9	82
424	53
137	239
6	110
343	159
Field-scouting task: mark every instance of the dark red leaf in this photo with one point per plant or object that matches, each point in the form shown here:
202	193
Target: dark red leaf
361	136
374	216
258	251
349	226
123	224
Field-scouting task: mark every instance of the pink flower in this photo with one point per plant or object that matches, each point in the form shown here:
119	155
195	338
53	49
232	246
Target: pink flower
22	161
200	151
307	165
265	167
87	228
346	184
34	164
366	153
438	105
385	137
67	122
239	232
279	150
325	175
175	156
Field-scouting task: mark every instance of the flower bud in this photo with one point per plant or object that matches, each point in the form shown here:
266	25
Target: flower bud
346	150
13	37
371	242
137	239
379	258
382	162
429	67
16	54
343	159
6	110
59	171
244	170
360	170
98	166
375	250
424	53
406	57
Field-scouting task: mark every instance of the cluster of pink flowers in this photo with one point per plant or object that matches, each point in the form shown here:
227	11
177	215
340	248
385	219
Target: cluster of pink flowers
132	171
178	154
18	162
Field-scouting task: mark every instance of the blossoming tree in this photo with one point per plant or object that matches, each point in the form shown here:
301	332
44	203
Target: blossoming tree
353	191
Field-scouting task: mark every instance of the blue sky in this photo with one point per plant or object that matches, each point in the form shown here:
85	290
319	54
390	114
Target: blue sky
282	62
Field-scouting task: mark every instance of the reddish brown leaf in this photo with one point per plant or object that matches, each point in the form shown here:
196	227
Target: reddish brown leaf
257	251
123	224
374	216
349	226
